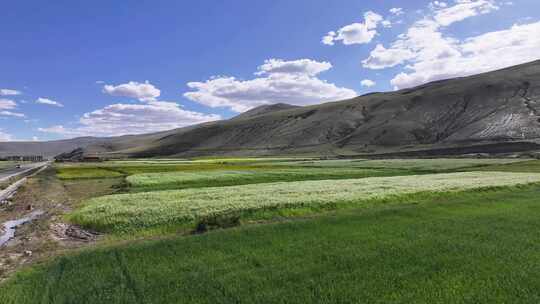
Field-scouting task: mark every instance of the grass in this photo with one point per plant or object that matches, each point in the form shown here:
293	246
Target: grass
472	247
115	169
211	160
87	173
525	166
438	164
199	179
126	213
112	169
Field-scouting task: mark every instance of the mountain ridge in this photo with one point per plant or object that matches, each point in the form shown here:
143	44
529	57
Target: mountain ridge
493	108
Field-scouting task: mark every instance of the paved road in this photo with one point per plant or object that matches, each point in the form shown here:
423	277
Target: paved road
6	174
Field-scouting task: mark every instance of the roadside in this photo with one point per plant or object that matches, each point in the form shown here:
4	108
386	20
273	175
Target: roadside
48	234
9	174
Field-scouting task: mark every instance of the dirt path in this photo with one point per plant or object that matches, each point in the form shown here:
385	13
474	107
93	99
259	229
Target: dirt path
48	234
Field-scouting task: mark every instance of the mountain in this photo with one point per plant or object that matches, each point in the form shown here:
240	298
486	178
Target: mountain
493	112
265	109
47	148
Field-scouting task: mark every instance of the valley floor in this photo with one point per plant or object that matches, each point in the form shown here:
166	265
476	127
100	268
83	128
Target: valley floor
448	244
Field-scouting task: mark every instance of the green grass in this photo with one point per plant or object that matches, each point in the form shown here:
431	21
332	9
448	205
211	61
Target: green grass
69	173
473	247
115	169
112	169
439	164
199	179
150	210
525	166
214	160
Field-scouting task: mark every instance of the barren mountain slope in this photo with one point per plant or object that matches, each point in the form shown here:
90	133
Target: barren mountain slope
495	111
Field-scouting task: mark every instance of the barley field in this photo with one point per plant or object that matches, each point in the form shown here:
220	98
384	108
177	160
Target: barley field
197	179
128	212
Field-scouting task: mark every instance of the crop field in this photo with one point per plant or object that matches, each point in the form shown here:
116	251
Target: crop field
410	164
469	247
523	166
198	179
128	212
115	169
285	230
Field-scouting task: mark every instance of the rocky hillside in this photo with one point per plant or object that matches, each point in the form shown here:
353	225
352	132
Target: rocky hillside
492	112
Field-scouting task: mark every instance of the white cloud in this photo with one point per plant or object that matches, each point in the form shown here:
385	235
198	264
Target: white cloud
9	92
356	33
396	11
293	82
122	119
368	83
437	4
386	23
487	52
5	136
12	114
431	55
50	102
7	104
462	10
382	57
298	67
329	38
141	91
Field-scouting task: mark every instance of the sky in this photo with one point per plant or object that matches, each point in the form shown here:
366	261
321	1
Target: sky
106	68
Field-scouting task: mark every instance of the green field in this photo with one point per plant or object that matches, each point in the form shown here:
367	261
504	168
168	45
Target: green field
115	169
284	230
139	211
439	164
218	178
473	247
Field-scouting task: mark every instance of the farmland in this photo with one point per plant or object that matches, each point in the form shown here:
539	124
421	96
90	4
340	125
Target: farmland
293	230
191	179
125	212
460	248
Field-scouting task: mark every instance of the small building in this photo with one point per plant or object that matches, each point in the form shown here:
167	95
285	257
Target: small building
33	158
27	158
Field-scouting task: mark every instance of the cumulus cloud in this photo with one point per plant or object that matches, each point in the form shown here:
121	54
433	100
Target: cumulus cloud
50	102
382	57
293	82
386	23
431	55
356	33
122	119
368	83
487	52
296	67
396	11
9	92
462	10
141	91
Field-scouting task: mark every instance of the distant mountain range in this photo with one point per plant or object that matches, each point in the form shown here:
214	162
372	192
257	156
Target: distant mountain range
495	112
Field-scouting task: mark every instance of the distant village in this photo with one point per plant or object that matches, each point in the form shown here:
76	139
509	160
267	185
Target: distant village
24	158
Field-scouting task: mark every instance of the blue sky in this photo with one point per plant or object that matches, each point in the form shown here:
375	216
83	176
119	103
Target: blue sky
72	68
